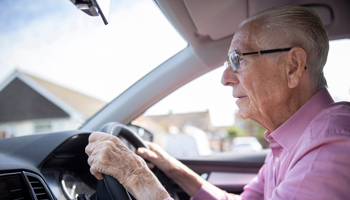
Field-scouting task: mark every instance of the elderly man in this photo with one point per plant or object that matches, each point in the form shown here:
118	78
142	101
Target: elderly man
275	67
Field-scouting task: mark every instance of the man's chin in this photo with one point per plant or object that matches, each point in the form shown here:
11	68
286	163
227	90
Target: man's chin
242	113
243	107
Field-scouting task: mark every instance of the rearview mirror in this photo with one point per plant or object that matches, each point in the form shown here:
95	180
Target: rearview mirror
94	8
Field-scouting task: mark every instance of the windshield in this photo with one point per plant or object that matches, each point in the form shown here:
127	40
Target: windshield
60	66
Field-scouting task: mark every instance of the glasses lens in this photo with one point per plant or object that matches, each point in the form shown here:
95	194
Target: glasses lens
234	61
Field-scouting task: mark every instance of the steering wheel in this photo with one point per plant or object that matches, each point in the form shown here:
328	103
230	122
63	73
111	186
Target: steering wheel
115	189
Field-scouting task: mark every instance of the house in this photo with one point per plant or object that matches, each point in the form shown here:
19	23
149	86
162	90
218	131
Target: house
30	105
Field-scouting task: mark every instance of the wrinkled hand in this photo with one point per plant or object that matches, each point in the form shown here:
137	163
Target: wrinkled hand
158	157
108	155
187	179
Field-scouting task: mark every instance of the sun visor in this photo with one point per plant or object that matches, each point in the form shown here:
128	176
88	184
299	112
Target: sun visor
220	19
324	12
217	19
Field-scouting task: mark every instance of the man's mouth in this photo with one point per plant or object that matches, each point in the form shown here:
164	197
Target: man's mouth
239	96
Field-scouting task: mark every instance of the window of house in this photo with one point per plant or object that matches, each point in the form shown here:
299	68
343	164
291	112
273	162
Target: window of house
42	126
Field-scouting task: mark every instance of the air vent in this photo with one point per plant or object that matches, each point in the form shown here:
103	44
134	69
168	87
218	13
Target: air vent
38	187
13	187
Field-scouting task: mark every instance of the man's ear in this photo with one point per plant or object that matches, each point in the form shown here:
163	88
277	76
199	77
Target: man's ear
296	66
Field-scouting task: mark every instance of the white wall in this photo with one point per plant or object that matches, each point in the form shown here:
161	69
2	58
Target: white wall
29	127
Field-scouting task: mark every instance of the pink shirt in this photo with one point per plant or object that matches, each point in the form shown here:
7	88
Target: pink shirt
309	158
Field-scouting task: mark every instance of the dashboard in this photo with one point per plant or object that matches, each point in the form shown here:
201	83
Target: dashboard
46	166
66	184
56	160
15	186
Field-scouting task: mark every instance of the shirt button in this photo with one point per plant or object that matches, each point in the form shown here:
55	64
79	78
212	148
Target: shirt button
277	159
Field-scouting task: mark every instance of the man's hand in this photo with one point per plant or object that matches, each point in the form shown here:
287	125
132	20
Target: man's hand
108	155
188	180
158	157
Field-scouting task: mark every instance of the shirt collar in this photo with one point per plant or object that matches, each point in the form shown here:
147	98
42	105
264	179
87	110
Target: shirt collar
290	131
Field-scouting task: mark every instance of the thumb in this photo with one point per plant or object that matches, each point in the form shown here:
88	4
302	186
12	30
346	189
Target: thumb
144	153
147	154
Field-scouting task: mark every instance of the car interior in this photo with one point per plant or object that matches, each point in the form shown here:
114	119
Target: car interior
54	165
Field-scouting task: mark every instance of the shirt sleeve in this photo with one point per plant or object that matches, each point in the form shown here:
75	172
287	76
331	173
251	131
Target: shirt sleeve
253	191
210	192
322	173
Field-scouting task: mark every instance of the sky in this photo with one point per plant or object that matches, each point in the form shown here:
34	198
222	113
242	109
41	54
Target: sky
55	41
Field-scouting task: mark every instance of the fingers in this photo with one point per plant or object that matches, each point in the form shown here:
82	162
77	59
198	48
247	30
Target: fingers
147	154
90	148
93	138
98	136
108	155
150	165
157	156
96	173
94	169
106	159
100	150
152	146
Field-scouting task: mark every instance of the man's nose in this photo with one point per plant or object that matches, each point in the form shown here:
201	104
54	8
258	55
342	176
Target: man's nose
229	78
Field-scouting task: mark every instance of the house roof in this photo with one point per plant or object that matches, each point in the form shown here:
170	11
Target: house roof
84	104
24	96
18	102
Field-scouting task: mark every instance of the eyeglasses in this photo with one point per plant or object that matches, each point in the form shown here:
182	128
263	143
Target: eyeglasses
234	59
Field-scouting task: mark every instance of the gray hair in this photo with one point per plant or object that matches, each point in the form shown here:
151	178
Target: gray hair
299	26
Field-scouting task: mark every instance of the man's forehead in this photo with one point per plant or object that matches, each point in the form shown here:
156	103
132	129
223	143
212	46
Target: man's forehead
246	39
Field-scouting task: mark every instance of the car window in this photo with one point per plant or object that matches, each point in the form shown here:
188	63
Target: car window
59	66
201	117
